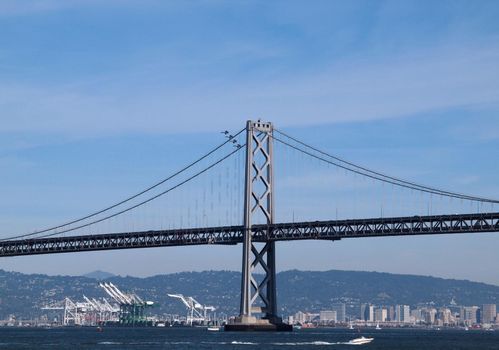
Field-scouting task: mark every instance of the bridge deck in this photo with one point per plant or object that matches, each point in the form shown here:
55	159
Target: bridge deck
325	230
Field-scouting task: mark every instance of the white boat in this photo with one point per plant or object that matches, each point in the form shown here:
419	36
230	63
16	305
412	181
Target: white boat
213	329
351	326
360	341
377	326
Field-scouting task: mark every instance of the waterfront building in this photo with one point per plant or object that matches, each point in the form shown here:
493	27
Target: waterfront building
470	315
362	312
305	317
402	313
327	316
416	315
340	309
380	315
370	313
363	308
391	313
444	317
311	317
367	312
428	315
300	317
406	313
489	312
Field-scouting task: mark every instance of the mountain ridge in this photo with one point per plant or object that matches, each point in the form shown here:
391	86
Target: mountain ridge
25	294
99	275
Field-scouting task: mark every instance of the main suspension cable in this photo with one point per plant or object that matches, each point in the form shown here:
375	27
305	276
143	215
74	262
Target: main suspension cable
376	175
147	200
190	165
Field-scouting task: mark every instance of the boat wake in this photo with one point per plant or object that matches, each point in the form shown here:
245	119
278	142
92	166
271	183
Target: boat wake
234	342
356	341
322	343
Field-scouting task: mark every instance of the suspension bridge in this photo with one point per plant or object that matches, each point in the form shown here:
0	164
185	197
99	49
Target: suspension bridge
201	203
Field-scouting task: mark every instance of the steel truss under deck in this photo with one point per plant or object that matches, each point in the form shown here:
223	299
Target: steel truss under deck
324	230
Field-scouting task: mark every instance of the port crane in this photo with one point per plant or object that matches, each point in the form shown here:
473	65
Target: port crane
103	311
196	312
131	305
85	313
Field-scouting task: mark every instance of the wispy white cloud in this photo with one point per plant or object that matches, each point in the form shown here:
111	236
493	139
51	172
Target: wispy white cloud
354	90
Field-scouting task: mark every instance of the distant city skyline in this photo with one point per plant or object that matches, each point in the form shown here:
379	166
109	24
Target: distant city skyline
100	100
402	315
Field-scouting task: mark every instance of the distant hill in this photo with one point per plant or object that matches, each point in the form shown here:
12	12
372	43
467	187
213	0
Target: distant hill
99	275
23	295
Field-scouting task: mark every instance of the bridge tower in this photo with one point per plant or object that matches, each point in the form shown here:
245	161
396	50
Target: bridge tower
258	296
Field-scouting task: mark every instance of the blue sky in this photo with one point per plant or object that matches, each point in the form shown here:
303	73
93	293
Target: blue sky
100	99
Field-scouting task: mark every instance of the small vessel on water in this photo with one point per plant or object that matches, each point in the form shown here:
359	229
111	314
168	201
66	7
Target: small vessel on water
360	341
213	329
377	326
